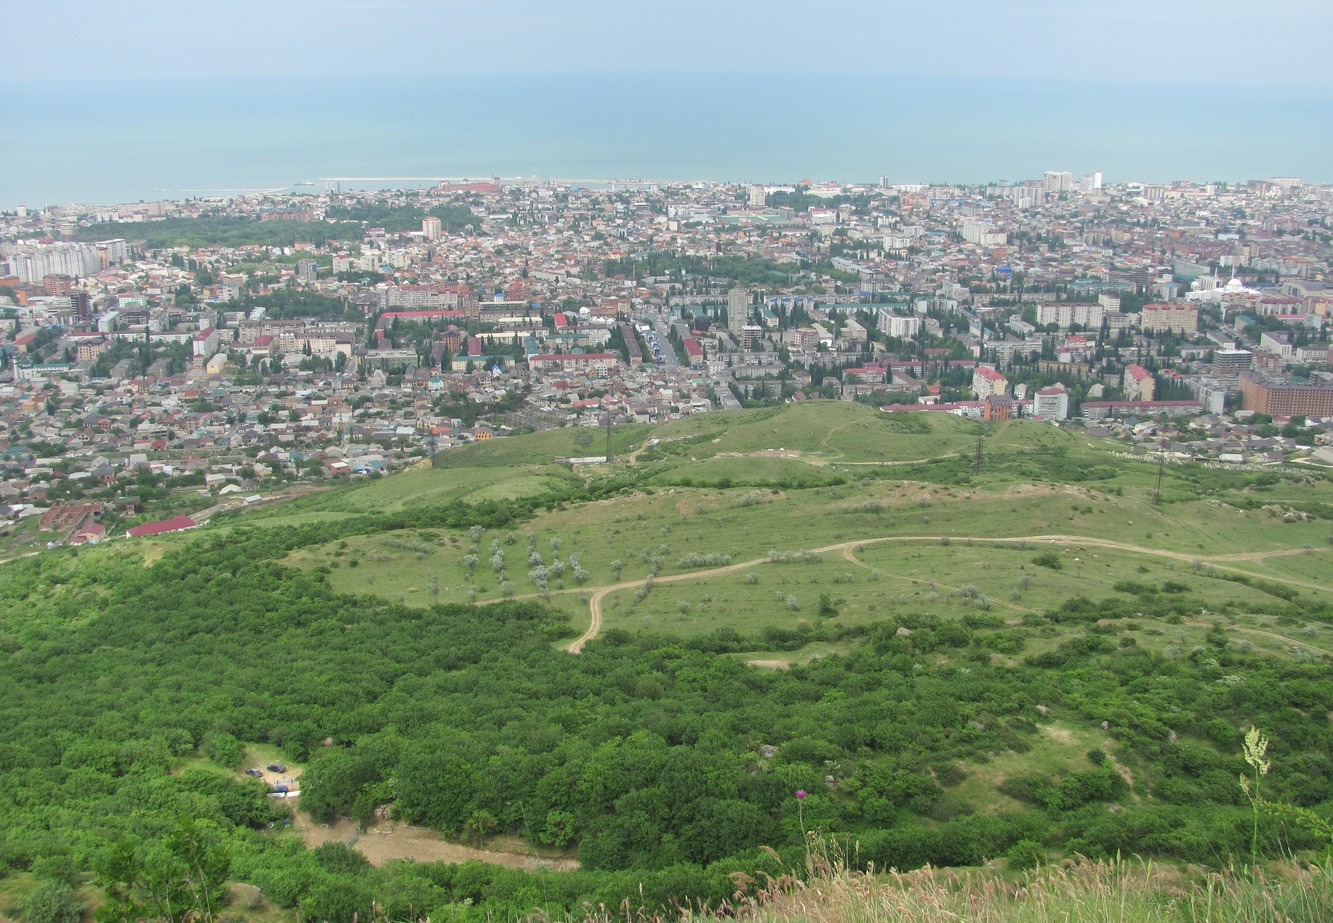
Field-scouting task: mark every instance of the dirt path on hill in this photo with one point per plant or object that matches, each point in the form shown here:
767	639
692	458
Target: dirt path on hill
595	601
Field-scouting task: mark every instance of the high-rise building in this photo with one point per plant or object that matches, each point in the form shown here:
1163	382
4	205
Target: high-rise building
83	305
1090	182
431	227
1056	182
1051	403
758	196
983	233
307	270
738	309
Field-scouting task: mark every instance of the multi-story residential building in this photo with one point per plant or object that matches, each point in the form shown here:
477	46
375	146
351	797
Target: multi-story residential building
896	325
1177	317
205	343
1286	398
982	233
738	309
1139	383
586	363
986	381
1051	403
1277	342
1066	314
1056	182
1230	362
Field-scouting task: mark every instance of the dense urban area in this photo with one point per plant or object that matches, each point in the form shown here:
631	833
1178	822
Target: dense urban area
165	360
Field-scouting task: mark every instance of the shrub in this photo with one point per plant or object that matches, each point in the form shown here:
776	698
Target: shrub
1025	854
51	902
1048	559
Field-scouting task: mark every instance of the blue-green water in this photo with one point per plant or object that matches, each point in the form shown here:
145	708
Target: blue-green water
121	141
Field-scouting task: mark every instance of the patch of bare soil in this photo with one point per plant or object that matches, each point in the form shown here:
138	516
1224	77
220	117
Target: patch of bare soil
1024	489
389	840
769	664
1058	734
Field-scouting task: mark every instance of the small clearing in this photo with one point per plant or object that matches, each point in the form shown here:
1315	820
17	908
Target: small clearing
1058	734
388	841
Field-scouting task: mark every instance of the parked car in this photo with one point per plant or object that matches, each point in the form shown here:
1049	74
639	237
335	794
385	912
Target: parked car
276	767
254	772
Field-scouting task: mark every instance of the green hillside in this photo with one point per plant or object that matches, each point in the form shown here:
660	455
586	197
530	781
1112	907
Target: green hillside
959	642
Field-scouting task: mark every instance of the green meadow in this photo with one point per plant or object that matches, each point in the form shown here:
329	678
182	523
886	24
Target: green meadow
843	517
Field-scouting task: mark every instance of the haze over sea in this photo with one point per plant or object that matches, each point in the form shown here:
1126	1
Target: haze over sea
118	141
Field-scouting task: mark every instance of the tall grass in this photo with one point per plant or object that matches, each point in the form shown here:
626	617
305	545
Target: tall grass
1072	891
1076	891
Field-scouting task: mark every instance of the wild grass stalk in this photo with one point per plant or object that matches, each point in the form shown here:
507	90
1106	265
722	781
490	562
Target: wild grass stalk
1073	891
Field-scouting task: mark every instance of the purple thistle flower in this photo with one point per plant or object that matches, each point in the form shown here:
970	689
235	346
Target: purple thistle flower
800	793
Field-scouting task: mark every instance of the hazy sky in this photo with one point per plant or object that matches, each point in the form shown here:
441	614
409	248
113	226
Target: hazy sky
1238	42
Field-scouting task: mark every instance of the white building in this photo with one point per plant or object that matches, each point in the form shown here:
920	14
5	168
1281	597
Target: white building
982	233
738	309
896	325
1051	403
1065	314
1056	182
205	342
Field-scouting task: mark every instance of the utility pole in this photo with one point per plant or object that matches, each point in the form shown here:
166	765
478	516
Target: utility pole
1161	468
608	437
977	464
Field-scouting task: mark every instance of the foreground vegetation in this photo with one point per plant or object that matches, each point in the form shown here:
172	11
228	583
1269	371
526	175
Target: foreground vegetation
1089	892
1027	662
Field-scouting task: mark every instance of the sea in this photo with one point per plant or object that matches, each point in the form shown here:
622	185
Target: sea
118	141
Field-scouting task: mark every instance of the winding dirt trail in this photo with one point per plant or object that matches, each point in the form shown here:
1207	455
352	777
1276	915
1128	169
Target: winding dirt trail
595	600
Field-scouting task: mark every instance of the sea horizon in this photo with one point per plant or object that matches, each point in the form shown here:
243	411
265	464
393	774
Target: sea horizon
117	141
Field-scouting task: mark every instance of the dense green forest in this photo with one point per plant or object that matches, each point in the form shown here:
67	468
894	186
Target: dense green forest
136	680
342	223
454	217
286	303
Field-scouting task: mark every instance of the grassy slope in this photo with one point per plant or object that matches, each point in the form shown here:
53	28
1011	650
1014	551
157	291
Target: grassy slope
912	553
1211	523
